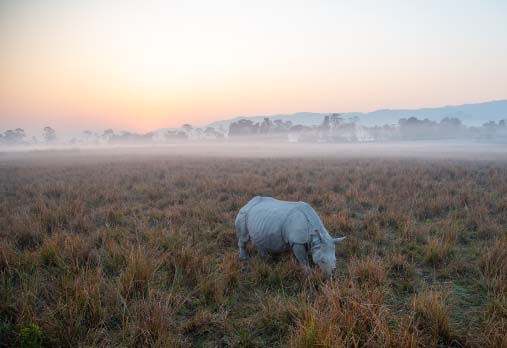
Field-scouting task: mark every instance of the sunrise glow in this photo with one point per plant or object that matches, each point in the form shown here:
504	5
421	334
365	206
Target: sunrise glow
143	65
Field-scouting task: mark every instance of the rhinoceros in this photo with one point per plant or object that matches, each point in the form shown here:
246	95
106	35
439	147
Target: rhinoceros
276	226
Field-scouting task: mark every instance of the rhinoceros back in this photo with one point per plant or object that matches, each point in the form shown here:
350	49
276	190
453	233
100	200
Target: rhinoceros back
264	219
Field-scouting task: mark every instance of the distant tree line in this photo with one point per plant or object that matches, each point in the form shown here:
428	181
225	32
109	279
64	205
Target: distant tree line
248	127
336	128
449	128
333	128
18	136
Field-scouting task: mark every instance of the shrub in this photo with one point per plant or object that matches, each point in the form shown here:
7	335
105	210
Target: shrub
30	336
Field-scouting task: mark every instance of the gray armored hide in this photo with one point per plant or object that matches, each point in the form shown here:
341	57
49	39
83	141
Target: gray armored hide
276	226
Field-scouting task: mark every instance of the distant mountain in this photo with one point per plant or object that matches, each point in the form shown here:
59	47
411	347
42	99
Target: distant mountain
469	114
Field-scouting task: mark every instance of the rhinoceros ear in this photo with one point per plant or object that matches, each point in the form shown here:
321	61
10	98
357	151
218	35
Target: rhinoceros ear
316	232
337	240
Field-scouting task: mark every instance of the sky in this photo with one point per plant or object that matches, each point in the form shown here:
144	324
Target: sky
144	65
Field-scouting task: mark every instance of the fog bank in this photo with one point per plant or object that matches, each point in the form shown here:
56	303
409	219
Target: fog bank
422	149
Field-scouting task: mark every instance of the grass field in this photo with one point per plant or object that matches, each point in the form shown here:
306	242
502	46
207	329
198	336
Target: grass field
140	252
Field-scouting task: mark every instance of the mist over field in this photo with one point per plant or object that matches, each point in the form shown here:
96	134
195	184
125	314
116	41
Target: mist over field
245	149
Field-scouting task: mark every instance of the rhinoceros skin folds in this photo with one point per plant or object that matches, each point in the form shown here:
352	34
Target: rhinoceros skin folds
275	226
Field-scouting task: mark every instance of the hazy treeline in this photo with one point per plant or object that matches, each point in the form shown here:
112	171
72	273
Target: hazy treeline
333	129
412	129
18	136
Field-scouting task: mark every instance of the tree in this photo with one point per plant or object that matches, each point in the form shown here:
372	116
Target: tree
187	127
335	120
451	122
243	127
299	128
10	136
212	133
108	134
325	125
88	134
281	126
20	133
49	134
414	129
266	125
13	137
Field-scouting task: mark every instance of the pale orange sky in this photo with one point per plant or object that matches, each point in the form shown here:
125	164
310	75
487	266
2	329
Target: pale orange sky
143	65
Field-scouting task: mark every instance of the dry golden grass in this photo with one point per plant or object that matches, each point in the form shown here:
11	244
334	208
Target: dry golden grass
103	252
432	316
493	265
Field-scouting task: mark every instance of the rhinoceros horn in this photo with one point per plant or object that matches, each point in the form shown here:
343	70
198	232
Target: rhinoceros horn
339	239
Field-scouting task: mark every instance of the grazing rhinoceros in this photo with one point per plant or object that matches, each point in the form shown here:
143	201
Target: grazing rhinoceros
276	226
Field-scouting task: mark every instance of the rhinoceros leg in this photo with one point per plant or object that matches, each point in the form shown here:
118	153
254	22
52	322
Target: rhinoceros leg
301	254
243	255
243	236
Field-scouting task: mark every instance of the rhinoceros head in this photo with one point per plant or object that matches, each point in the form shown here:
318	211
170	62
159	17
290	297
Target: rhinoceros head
323	251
